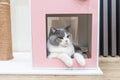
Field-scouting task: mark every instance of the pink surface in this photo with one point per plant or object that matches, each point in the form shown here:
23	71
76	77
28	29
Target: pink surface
39	10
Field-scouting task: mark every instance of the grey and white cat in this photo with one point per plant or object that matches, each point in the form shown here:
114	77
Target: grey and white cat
60	46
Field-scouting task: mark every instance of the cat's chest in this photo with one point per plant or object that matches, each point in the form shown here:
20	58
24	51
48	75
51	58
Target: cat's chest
59	49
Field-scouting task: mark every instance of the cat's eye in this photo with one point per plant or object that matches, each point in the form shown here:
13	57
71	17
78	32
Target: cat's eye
68	36
60	37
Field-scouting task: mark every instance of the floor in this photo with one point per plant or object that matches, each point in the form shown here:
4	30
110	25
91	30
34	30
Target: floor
110	66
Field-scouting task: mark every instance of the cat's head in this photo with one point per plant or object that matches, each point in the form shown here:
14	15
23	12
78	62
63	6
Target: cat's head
60	36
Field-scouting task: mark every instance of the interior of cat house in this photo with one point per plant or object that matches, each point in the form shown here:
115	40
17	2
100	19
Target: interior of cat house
81	28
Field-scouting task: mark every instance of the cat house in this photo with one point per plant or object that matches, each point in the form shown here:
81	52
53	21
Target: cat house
83	18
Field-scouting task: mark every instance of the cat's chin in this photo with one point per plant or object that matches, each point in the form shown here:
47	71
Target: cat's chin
64	46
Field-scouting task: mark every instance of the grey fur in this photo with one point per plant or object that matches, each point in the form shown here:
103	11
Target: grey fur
55	33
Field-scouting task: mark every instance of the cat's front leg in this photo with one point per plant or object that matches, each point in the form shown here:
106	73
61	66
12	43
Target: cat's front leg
66	59
80	59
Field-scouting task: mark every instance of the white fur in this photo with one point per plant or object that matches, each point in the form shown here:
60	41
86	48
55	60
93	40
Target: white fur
80	59
64	52
66	59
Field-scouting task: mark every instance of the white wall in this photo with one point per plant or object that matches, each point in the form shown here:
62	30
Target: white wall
21	25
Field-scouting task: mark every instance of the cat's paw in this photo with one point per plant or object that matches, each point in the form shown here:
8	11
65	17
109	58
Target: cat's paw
66	59
69	62
80	59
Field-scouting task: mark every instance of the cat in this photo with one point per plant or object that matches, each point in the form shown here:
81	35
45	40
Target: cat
60	46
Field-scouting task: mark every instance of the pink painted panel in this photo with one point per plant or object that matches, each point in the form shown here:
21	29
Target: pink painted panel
39	10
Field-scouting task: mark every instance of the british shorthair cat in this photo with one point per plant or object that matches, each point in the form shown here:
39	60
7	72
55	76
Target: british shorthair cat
60	46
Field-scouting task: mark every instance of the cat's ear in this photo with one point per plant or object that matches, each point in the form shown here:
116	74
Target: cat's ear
68	27
52	30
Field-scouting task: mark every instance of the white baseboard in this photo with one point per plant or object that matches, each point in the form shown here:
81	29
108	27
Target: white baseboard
96	71
22	64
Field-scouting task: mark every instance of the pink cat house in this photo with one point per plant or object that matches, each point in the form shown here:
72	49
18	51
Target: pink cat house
83	16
